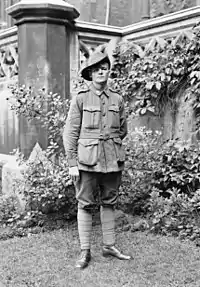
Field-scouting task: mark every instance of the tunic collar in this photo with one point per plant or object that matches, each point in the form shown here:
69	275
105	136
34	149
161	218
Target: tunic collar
99	93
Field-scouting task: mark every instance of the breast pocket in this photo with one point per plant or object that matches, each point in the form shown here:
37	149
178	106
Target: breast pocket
91	117
113	116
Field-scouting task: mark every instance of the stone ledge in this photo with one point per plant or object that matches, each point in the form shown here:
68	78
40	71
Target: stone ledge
4	158
166	26
46	10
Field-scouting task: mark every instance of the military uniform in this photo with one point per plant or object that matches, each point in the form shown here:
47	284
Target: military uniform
93	134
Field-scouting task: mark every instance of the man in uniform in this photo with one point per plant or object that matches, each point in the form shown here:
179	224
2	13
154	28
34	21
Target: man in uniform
93	134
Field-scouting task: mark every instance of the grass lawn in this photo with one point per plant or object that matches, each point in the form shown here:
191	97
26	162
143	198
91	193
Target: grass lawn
47	260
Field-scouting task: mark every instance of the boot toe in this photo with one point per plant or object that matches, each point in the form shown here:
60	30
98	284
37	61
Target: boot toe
84	260
113	251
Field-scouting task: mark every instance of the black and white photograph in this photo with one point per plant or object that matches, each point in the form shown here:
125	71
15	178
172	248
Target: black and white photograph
99	143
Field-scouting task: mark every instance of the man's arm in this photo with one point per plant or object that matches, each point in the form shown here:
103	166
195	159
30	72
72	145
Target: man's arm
123	120
72	130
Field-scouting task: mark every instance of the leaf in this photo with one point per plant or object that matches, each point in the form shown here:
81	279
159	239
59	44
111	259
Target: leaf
156	220
154	95
162	77
143	111
149	85
168	71
158	86
151	109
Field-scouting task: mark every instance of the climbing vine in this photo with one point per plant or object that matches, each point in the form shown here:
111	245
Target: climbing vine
151	78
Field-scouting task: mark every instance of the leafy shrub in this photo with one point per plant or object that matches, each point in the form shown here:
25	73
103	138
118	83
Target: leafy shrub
142	158
8	209
148	78
45	186
179	168
178	214
174	203
49	109
161	181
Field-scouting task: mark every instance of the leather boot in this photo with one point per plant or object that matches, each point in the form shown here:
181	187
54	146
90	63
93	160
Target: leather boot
84	259
113	251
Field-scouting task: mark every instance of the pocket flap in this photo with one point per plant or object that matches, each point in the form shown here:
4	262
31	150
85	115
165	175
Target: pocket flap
88	142
91	109
114	109
117	140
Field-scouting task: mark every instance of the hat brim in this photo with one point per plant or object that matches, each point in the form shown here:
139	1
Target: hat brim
86	71
86	74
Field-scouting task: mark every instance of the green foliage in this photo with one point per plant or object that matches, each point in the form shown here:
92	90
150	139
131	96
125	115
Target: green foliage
142	158
151	78
8	209
161	180
178	215
45	184
49	109
47	188
174	204
179	168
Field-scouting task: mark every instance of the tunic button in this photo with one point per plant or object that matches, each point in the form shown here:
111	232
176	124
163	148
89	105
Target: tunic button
104	114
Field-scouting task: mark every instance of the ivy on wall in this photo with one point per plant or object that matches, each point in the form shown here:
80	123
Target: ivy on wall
151	78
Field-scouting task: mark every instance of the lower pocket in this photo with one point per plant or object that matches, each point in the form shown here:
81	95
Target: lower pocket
88	151
119	149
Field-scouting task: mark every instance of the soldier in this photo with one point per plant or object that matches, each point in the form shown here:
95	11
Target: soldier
93	134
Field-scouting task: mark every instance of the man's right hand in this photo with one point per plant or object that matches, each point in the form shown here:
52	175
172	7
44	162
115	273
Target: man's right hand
74	173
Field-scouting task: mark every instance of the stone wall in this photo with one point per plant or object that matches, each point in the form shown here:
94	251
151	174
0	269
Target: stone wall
122	12
178	125
185	120
8	76
127	12
162	7
9	129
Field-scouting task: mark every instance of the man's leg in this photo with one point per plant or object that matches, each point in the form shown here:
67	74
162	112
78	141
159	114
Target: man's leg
84	219
85	189
107	215
109	187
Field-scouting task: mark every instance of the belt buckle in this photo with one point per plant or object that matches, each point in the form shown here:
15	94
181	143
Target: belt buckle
107	137
104	137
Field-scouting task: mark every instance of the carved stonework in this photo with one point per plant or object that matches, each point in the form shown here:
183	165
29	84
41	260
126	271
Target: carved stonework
87	49
162	7
8	61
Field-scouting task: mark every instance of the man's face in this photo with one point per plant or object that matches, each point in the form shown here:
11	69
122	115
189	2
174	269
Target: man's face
100	73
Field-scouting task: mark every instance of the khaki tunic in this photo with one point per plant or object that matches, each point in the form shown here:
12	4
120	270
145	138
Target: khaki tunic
94	130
